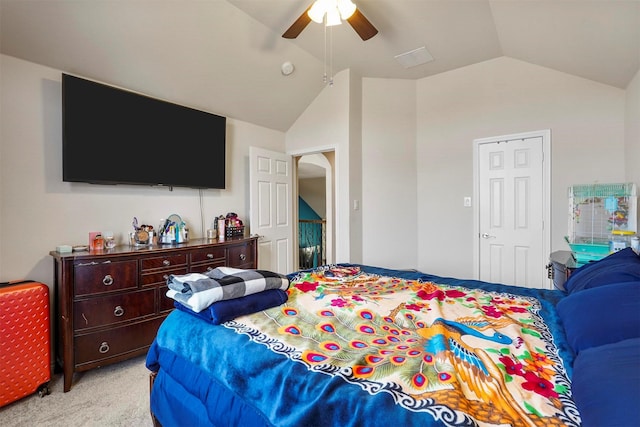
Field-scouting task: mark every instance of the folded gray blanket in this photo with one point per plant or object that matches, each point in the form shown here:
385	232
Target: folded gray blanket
198	291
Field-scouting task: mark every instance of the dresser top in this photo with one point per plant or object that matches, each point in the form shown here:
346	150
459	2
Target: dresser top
159	249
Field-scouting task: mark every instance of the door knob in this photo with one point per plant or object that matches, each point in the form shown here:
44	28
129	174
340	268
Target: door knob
487	236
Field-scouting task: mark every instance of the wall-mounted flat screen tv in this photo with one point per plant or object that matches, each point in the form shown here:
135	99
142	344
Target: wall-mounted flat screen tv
114	136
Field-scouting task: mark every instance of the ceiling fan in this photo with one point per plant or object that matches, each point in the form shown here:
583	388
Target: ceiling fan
334	11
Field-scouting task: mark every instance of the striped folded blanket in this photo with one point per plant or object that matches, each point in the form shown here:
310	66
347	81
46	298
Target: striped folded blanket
198	291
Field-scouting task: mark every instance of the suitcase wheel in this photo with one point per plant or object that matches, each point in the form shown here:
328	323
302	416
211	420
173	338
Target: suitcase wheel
43	390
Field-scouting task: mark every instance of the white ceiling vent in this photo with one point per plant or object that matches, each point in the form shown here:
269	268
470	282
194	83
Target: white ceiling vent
414	57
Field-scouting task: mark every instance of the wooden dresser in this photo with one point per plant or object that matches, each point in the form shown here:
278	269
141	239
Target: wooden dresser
110	303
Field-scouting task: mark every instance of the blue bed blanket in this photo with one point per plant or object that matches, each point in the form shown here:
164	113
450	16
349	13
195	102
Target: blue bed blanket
249	378
222	369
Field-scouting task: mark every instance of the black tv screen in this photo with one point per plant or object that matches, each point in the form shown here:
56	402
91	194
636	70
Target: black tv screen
114	136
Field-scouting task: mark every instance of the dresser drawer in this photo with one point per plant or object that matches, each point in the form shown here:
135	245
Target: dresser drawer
208	254
166	304
113	309
114	342
164	261
207	266
240	255
161	276
98	277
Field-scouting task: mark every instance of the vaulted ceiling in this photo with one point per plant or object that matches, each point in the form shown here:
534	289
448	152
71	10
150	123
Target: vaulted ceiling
225	56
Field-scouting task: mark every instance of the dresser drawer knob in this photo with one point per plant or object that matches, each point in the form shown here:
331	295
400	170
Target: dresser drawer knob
210	256
118	311
166	262
108	280
210	268
104	348
243	257
165	277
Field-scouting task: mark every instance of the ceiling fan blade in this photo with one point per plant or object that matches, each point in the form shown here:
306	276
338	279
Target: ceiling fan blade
362	26
296	28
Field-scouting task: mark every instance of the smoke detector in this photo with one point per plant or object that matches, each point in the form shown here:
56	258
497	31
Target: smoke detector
287	68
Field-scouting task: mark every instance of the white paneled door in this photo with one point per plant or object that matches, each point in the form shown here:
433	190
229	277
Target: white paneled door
271	208
512	209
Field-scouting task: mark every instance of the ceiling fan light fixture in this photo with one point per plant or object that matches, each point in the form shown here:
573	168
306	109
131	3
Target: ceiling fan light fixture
335	11
325	11
333	17
346	8
317	11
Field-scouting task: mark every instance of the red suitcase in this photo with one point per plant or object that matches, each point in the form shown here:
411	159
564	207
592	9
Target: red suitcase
25	357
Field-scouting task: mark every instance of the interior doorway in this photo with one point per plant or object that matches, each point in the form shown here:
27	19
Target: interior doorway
314	196
272	214
512	209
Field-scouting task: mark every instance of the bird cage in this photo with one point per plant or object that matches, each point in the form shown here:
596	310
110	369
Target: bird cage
595	211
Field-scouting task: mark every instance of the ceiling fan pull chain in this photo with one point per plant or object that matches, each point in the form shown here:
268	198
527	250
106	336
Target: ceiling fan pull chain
324	77
331	56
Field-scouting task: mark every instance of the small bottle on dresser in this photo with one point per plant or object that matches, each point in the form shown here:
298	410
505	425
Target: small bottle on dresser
221	229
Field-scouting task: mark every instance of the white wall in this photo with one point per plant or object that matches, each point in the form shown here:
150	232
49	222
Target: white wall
38	211
355	168
498	97
632	132
313	191
416	152
390	216
324	125
593	127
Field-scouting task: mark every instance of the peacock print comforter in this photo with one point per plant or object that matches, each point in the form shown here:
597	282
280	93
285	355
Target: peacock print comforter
357	345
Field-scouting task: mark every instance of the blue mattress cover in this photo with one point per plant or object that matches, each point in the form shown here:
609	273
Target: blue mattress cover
231	380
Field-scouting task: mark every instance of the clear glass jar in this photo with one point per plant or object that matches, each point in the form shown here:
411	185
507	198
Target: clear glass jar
109	240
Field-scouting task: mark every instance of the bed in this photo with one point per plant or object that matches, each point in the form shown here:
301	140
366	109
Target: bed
357	345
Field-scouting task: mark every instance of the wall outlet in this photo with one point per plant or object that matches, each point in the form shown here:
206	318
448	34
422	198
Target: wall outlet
467	202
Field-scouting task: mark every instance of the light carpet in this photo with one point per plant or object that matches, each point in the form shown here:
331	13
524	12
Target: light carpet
115	395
